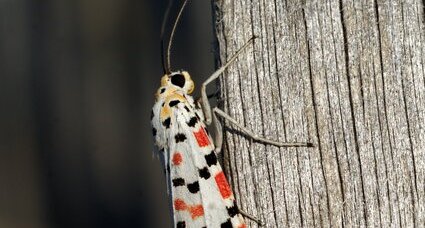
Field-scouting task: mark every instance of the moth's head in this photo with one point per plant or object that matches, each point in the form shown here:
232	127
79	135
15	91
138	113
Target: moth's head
180	80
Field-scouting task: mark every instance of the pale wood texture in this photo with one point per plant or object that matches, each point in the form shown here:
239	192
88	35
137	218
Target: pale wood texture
348	76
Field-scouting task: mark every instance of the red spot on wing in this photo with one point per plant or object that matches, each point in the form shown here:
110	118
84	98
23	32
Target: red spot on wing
179	205
223	186
196	211
202	137
242	226
177	158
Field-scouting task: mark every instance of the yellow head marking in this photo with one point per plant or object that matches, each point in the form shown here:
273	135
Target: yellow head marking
189	83
180	80
164	80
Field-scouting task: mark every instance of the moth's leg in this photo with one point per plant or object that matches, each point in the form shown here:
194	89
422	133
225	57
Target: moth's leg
205	103
258	138
259	222
218	136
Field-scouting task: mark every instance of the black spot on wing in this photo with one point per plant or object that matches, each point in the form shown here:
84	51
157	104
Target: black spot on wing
192	122
226	224
211	158
154	131
187	109
179	137
167	122
232	211
181	224
178	182
204	173
152	114
162	90
173	103
193	187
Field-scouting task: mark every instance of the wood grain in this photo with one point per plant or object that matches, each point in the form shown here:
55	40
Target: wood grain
348	76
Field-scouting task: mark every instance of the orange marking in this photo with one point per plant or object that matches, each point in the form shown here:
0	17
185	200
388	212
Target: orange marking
202	137
223	186
177	158
180	205
242	226
165	113
196	211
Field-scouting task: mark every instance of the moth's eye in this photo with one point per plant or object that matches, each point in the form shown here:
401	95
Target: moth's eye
178	80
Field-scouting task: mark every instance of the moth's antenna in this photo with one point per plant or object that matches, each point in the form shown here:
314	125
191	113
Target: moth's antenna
168	68
164	21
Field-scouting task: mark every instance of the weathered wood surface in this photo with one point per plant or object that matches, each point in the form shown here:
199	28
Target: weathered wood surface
345	75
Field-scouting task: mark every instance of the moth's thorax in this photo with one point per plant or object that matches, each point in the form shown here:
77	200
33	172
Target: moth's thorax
176	88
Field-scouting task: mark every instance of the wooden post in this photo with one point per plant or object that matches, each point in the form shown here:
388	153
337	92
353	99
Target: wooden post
345	75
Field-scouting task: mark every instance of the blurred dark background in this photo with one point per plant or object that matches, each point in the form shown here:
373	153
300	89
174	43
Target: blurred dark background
76	89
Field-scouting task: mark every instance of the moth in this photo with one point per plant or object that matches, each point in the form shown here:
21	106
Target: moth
199	192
